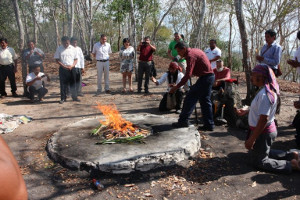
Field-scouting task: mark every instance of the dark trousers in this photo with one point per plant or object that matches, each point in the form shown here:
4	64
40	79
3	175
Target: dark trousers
178	96
144	68
40	92
265	158
221	85
66	78
200	91
78	80
7	71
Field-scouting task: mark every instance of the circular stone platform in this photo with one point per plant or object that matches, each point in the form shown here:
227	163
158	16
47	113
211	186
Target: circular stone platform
74	148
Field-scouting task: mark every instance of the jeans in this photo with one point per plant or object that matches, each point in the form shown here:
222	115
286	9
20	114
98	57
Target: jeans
144	68
7	71
201	91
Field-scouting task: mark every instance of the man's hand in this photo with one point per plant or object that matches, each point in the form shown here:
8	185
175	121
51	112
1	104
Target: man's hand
241	112
173	89
38	78
15	70
259	58
294	63
249	143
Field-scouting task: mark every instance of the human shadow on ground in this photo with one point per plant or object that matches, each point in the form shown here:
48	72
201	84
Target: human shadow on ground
290	183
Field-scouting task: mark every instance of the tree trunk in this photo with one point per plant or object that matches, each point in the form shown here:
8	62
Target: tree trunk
133	22
20	25
81	29
244	38
229	41
197	32
70	16
161	20
35	30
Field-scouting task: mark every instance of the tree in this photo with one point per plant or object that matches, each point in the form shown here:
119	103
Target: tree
196	35
244	37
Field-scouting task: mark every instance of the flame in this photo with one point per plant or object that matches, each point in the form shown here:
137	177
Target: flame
114	118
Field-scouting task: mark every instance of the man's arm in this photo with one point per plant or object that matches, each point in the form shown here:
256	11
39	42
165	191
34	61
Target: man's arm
273	60
169	54
215	59
33	80
152	47
12	182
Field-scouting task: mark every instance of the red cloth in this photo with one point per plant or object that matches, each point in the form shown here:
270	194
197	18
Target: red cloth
225	73
197	65
146	53
174	65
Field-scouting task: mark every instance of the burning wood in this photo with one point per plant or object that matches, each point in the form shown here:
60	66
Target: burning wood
116	129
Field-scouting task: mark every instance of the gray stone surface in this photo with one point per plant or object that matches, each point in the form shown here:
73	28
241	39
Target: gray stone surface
73	147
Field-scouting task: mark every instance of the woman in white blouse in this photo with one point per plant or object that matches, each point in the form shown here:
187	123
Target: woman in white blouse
127	55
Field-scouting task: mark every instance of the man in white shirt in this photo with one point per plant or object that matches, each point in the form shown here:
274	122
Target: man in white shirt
8	68
79	66
34	81
101	51
213	53
66	57
296	61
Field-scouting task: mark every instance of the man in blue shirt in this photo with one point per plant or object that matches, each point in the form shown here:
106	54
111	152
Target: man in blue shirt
270	53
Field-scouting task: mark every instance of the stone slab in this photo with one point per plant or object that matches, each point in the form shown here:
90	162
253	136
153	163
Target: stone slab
74	148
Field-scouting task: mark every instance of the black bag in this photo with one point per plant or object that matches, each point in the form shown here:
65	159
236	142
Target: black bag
296	121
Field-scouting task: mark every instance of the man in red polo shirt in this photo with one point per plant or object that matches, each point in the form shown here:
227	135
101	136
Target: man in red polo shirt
145	63
221	75
197	65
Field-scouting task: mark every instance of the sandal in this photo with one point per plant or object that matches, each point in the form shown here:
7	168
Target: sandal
131	90
124	90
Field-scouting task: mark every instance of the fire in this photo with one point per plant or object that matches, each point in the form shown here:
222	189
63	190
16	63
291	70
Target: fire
114	118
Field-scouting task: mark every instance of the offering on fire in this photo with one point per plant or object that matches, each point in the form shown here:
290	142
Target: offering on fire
115	129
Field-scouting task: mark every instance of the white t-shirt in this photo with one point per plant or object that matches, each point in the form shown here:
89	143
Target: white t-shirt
297	55
80	60
261	105
164	78
7	56
102	51
38	83
211	54
66	55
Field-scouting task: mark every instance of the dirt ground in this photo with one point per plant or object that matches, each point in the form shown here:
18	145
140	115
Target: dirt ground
220	170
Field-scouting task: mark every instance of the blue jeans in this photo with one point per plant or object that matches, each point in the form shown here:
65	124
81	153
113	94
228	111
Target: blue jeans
201	91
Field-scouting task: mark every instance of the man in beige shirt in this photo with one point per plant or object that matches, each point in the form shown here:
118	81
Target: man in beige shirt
8	68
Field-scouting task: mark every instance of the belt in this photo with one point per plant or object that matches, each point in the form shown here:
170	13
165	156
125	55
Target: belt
102	60
145	61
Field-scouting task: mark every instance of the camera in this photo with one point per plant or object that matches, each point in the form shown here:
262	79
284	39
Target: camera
144	43
43	76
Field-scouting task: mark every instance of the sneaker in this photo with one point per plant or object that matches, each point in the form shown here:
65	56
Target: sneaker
205	128
62	101
80	94
177	111
14	94
107	91
181	124
76	99
146	91
139	91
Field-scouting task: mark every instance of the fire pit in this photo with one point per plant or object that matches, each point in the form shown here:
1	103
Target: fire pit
74	147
